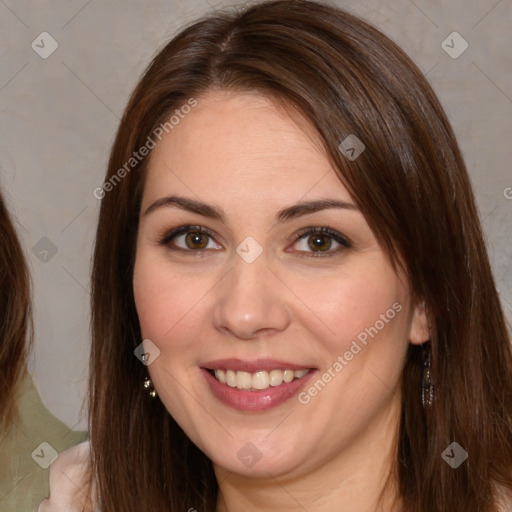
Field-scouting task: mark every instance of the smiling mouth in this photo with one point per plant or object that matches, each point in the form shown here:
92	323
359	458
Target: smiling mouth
257	381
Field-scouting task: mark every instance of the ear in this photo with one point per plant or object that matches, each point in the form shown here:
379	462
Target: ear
419	332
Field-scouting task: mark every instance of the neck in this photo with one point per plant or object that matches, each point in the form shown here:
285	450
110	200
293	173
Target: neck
359	478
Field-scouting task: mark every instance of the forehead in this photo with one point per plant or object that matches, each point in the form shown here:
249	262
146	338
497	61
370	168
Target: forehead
243	144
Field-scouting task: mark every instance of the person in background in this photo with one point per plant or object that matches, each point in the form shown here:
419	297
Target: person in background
30	434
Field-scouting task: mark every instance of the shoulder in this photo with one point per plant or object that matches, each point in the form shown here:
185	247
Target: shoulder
24	468
69	481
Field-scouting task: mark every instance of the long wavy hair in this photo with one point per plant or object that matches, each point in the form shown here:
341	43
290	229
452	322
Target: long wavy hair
16	328
413	189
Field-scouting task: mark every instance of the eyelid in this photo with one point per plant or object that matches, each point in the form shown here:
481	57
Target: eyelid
323	230
310	230
338	237
180	230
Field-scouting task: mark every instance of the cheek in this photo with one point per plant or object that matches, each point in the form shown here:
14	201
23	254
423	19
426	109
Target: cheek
357	304
165	302
167	307
363	329
336	308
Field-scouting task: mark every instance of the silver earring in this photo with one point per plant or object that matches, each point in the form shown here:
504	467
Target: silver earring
427	385
148	386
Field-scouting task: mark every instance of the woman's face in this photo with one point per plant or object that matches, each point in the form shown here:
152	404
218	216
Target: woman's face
251	289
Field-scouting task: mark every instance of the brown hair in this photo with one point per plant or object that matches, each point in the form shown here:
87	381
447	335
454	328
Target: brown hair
411	184
15	317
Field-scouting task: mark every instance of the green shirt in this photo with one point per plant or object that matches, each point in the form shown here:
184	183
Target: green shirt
24	459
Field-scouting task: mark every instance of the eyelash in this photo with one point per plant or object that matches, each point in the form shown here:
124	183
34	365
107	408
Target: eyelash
324	230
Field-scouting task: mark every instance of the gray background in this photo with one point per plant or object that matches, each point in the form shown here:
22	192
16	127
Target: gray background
59	116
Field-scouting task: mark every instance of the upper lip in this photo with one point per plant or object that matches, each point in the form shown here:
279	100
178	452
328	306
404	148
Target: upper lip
252	366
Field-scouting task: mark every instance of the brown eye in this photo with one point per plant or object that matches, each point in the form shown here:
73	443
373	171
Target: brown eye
196	240
321	241
189	239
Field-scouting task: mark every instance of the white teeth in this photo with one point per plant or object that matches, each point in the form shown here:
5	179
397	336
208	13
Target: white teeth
276	377
243	380
221	376
259	380
288	375
231	378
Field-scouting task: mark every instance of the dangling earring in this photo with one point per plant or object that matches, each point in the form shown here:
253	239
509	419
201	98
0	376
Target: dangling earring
427	385
148	386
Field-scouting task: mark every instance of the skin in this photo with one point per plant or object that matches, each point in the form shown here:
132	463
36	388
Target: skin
245	155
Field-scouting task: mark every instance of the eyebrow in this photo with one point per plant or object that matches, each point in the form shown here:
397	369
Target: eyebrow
214	212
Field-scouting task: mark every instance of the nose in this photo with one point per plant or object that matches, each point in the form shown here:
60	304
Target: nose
251	301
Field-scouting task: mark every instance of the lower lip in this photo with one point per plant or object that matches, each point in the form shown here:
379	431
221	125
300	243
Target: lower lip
244	400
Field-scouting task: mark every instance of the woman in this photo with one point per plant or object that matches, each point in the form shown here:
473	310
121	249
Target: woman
293	307
25	422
